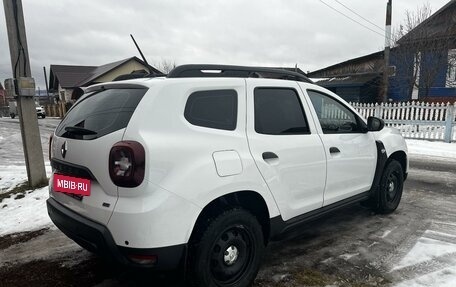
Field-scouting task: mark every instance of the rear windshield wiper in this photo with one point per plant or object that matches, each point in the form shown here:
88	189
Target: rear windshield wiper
79	131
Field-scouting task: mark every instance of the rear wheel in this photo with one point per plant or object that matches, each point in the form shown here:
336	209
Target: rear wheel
390	189
229	251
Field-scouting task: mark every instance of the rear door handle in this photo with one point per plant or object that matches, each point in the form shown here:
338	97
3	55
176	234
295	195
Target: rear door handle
334	150
269	155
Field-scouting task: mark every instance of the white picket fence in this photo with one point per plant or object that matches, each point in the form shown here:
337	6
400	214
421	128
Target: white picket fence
415	120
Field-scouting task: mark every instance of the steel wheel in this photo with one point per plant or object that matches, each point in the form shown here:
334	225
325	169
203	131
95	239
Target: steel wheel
229	251
231	254
390	189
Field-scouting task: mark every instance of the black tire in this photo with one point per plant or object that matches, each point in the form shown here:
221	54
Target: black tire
229	251
12	115
43	116
390	188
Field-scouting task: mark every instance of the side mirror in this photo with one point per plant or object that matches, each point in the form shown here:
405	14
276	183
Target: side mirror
375	124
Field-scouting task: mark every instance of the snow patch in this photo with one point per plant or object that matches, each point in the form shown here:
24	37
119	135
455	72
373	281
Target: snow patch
442	278
327	260
11	176
348	256
425	249
372	244
437	233
386	233
434	148
26	214
14	175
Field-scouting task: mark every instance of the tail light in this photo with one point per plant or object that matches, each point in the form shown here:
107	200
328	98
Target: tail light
50	146
126	163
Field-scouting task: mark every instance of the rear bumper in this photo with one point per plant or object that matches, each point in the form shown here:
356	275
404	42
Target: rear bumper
96	238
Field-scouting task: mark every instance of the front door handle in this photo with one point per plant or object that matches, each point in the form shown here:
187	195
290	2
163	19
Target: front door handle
334	150
269	155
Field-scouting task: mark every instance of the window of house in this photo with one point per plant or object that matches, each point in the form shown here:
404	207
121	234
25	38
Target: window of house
334	117
278	111
215	109
451	72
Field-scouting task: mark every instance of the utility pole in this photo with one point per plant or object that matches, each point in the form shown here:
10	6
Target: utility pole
386	69
20	64
47	86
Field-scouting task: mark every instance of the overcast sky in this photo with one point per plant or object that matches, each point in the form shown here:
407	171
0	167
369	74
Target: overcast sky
253	32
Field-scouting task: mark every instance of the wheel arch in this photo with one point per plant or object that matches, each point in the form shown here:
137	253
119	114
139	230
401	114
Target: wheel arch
249	200
401	157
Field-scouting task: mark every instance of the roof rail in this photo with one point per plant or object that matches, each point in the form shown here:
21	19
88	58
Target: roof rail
137	76
219	71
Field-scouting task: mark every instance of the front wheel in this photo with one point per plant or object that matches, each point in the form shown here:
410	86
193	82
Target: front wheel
390	189
229	251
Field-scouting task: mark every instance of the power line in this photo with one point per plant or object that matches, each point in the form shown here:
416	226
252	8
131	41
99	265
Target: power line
357	14
359	23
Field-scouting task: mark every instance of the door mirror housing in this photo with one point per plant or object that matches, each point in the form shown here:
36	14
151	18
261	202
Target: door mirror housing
375	124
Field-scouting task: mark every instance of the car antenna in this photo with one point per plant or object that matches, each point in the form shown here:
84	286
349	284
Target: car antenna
151	69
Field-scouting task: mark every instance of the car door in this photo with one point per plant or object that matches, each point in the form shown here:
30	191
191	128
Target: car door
350	150
284	143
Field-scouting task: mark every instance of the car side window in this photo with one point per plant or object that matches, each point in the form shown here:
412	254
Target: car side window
334	117
215	109
278	111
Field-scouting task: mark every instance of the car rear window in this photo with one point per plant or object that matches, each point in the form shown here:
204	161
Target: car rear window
100	113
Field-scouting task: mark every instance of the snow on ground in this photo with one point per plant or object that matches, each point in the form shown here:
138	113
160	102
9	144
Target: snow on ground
432	148
347	256
426	251
443	278
24	214
14	175
11	176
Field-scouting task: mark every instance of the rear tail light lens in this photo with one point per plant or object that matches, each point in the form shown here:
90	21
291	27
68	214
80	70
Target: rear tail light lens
126	163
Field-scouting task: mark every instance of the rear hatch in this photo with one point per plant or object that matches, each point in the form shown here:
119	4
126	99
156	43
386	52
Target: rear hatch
81	144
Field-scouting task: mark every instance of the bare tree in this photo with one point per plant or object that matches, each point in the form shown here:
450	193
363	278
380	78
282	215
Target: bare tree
421	47
165	65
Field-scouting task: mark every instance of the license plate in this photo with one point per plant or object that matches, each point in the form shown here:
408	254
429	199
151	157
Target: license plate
72	185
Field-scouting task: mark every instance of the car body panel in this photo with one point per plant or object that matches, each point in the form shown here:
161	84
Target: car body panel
351	171
297	177
93	155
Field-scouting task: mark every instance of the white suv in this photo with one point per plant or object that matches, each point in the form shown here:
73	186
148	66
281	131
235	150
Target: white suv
205	166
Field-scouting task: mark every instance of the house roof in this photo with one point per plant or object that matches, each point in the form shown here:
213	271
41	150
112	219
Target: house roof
78	76
362	59
293	69
441	24
354	80
69	76
101	70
